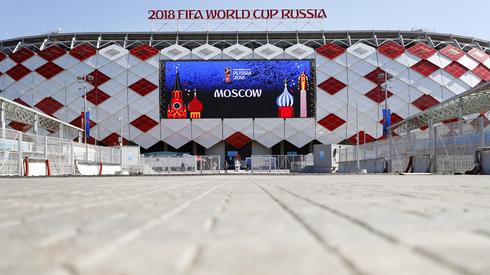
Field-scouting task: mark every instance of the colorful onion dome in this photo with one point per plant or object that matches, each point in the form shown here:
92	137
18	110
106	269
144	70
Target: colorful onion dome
285	98
195	105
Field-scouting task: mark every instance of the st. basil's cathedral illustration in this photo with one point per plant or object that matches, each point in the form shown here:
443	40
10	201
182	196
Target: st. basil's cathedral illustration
177	109
285	101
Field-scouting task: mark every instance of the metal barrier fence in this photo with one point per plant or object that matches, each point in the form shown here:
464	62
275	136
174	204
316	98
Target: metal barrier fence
61	154
270	163
183	163
451	147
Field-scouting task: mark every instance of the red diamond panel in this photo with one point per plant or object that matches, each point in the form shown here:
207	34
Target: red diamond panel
83	51
51	53
391	49
425	102
456	69
21	55
238	140
22	102
331	122
49	105
395	118
482	72
452	52
363	138
422	50
476	54
330	50
425	68
49	70
77	122
332	85
20	126
143	87
97	96
18	72
2	56
378	94
113	140
144	123
375	77
98	78
144	52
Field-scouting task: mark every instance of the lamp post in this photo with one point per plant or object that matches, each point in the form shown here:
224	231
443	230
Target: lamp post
121	139
84	79
384	76
387	118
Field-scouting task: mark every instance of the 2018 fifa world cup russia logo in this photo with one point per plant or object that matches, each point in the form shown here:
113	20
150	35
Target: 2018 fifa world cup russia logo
227	75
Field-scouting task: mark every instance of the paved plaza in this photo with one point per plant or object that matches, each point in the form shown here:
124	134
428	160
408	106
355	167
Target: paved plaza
246	225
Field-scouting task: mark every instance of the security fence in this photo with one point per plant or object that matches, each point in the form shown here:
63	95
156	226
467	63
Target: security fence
60	156
180	164
269	163
447	148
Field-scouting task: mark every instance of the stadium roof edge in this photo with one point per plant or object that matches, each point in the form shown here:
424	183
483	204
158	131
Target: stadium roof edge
340	34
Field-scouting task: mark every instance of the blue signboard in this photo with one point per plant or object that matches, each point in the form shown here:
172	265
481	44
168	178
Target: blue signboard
237	89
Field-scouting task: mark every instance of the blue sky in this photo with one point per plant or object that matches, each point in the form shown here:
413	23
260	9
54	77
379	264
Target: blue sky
30	17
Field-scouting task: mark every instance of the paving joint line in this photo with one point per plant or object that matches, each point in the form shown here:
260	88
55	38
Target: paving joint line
327	247
99	255
418	250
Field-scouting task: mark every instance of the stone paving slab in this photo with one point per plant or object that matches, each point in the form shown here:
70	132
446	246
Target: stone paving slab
237	225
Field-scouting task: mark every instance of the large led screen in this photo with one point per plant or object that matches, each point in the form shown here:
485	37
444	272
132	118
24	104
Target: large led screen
237	89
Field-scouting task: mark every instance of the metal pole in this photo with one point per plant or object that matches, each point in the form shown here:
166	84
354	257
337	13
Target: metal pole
2	118
36	124
120	139
20	154
61	155
386	90
84	123
482	131
45	147
460	117
252	164
390	139
358	165
72	159
433	139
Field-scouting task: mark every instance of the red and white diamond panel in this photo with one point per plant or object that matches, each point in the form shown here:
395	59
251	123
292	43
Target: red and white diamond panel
125	83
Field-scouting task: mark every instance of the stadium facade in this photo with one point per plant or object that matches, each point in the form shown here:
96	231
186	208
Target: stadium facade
145	81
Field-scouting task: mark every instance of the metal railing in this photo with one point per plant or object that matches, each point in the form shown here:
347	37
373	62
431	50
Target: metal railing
450	148
61	154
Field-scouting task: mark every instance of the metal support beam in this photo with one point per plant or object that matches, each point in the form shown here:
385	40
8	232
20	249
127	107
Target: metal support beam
16	112
17	46
2	119
473	101
433	145
43	45
72	43
99	40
